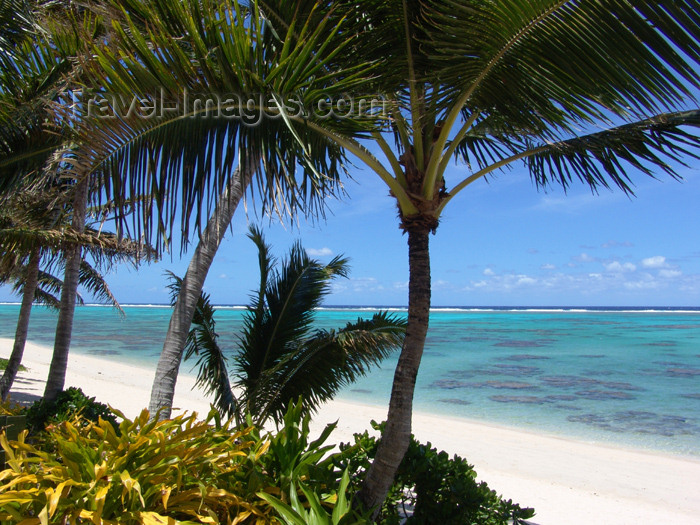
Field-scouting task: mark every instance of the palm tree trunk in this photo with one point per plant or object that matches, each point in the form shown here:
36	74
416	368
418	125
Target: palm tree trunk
64	327
30	282
397	433
163	390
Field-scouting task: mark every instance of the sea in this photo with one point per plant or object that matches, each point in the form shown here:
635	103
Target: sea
619	376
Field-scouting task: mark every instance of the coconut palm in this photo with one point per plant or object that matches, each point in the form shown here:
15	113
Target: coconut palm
574	90
33	238
189	157
280	356
36	140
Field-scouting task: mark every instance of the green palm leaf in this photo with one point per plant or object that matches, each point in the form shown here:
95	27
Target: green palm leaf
274	327
280	355
328	360
185	156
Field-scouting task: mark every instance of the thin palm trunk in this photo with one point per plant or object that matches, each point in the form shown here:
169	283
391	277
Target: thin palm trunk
163	390
397	433
30	283
64	327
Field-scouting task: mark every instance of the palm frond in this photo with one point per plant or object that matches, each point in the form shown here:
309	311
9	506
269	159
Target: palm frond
46	298
95	283
291	294
547	63
16	26
600	159
184	157
647	146
326	362
280	357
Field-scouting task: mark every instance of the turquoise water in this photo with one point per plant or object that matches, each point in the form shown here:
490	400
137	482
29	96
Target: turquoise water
619	377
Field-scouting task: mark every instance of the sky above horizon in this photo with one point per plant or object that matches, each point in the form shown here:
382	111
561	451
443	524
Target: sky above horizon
500	243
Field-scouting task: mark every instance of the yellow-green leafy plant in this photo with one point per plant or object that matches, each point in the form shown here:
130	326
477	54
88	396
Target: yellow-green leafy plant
174	471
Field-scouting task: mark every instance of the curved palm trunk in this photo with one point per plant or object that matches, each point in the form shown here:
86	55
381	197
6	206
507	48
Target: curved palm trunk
163	390
30	282
397	433
64	327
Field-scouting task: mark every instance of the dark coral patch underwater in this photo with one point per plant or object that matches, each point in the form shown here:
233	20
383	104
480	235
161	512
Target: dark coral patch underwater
454	401
525	344
525	357
567	381
640	422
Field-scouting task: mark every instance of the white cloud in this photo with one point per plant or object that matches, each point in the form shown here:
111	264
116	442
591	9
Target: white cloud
489	272
670	274
617	244
584	258
618	267
548	267
658	261
319	252
641	285
525	280
223	276
363	285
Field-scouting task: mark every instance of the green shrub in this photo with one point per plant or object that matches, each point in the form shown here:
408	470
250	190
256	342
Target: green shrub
304	484
148	472
179	469
67	405
431	488
4	362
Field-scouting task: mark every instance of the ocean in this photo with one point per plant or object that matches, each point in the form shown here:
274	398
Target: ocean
606	375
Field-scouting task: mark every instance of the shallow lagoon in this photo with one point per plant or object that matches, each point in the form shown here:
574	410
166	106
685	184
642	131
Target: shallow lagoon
621	377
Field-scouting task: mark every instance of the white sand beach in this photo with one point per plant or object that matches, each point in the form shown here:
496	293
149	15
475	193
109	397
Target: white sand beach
568	482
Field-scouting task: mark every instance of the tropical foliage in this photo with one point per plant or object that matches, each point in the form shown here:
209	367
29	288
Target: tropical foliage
280	356
70	404
35	234
175	471
37	140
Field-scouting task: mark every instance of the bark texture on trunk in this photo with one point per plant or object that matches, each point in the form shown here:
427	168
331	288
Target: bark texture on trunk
31	278
163	390
397	433
64	327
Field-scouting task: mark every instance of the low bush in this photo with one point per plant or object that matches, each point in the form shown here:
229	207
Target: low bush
4	362
147	472
179	469
431	487
67	405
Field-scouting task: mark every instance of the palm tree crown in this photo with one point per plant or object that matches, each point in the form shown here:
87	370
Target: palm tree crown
280	355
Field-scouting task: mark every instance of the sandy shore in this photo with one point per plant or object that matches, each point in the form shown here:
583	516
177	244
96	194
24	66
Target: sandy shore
568	482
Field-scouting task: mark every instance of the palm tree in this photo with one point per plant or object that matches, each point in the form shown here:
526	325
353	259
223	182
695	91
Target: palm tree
33	236
574	90
35	141
190	52
280	356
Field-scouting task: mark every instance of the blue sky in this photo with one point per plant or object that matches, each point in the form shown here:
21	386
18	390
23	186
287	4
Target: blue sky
501	243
